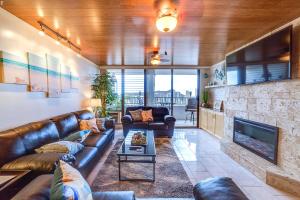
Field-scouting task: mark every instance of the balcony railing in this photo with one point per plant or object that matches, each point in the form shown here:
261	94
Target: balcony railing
159	101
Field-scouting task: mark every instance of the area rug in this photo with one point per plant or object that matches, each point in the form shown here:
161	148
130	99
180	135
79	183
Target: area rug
171	179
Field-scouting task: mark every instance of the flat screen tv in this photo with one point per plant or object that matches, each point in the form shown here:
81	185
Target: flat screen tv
268	59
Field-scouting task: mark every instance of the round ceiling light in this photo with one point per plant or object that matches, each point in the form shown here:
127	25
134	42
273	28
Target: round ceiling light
166	20
166	23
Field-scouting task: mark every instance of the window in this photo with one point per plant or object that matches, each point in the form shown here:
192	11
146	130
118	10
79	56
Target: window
134	87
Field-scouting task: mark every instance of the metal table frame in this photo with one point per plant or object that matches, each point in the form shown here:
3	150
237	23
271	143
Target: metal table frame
153	161
138	158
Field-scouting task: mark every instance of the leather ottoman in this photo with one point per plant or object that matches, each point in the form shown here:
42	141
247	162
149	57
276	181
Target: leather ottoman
220	188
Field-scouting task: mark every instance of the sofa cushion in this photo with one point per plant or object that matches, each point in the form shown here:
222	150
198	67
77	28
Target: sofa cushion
66	147
147	116
136	115
90	124
159	113
78	136
158	126
38	189
44	162
84	157
66	124
37	134
68	183
96	140
13	145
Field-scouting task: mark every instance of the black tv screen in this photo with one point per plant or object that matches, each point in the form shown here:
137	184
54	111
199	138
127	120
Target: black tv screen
266	60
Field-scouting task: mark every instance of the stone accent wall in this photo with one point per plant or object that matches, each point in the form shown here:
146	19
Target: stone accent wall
277	104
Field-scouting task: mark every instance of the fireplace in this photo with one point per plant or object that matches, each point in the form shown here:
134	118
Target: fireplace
261	139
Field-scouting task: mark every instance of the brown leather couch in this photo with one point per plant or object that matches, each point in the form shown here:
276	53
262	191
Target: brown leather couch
39	189
20	142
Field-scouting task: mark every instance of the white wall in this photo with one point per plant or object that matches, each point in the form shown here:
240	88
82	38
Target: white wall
17	105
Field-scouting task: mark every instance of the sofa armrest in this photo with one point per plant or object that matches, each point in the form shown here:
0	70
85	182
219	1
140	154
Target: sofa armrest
121	195
109	123
169	119
127	119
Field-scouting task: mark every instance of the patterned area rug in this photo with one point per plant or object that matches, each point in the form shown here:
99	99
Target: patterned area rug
171	179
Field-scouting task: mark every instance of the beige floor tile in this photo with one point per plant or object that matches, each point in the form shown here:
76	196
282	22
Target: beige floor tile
257	193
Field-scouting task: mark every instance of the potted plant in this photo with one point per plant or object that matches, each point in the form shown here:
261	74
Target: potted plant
103	88
205	99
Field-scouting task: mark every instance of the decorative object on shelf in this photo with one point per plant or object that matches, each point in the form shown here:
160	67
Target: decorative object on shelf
167	19
139	138
103	88
205	99
65	77
37	73
218	106
54	89
13	69
96	105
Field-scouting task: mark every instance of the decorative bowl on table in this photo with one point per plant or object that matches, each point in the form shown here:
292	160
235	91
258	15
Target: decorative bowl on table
139	138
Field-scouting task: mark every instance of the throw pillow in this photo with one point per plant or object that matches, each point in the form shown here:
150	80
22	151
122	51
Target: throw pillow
101	124
90	124
79	136
61	147
147	116
68	184
136	115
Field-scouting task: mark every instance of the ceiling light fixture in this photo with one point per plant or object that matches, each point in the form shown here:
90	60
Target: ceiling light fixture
60	38
155	59
166	20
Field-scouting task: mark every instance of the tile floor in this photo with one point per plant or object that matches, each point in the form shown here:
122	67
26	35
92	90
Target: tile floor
201	157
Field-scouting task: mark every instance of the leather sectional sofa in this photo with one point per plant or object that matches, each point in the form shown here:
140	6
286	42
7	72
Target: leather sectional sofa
19	144
162	125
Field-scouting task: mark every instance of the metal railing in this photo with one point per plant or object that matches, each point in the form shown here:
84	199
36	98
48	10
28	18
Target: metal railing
160	101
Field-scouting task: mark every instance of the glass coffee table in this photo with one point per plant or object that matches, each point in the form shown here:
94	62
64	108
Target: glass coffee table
137	154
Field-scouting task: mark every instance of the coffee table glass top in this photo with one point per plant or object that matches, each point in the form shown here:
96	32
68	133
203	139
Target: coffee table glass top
146	150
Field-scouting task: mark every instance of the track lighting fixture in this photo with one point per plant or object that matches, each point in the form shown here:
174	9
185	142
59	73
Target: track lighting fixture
60	38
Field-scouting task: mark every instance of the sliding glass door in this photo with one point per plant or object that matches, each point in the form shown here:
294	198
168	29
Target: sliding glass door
176	89
185	97
158	89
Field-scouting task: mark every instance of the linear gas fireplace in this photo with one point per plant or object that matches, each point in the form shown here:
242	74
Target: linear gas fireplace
261	139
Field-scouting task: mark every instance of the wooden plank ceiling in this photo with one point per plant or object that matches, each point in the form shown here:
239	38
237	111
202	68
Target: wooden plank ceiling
123	32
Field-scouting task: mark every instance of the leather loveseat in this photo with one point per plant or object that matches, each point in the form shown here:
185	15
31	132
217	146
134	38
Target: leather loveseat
162	125
20	142
39	189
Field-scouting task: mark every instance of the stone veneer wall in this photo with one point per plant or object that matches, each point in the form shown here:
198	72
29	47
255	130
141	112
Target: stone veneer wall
277	104
274	103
